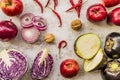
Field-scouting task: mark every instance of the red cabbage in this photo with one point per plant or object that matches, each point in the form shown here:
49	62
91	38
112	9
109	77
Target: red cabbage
13	65
42	65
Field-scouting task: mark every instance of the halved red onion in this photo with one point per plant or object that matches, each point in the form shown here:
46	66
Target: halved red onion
30	35
39	23
26	20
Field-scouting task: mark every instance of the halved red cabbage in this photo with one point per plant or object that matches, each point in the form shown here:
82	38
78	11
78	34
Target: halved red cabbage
13	65
42	65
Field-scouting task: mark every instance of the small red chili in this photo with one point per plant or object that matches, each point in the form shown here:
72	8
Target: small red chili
62	44
77	7
40	5
55	4
74	6
58	16
47	3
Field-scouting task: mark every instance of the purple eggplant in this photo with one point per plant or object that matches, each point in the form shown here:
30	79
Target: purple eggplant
112	45
112	71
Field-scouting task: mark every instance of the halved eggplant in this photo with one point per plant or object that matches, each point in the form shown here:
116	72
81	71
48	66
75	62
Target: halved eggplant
112	71
87	45
112	45
98	62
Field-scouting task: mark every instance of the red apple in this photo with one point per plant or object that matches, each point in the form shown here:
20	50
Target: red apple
96	13
11	7
111	3
69	68
114	16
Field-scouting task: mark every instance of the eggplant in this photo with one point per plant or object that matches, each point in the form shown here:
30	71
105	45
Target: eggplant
112	70
96	63
87	45
112	45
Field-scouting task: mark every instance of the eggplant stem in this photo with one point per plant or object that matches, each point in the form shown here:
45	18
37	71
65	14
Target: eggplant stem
114	66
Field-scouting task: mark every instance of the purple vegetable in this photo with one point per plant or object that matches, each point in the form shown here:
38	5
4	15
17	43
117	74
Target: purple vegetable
26	20
8	30
13	65
39	23
42	65
29	20
30	35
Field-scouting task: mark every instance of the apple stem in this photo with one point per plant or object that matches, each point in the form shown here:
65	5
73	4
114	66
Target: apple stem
9	3
69	65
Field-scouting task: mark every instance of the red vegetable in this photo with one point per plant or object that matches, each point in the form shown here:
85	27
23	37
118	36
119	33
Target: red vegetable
77	6
30	35
29	20
40	5
39	23
60	45
26	20
55	4
8	30
58	16
74	6
47	3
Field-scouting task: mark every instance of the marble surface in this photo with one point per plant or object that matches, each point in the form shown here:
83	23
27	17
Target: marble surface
61	33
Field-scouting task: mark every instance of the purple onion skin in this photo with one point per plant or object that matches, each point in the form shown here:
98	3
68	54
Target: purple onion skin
41	71
8	30
16	70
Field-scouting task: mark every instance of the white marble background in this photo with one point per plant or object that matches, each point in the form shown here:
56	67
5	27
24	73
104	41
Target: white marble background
65	32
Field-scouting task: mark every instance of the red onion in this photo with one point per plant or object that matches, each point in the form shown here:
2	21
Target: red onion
8	30
39	23
30	35
26	20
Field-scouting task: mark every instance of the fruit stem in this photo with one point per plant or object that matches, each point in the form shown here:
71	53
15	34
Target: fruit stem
69	65
9	2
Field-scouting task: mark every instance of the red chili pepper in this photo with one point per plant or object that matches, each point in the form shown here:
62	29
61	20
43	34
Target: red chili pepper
60	45
77	9
40	5
77	6
47	3
74	6
55	4
58	16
